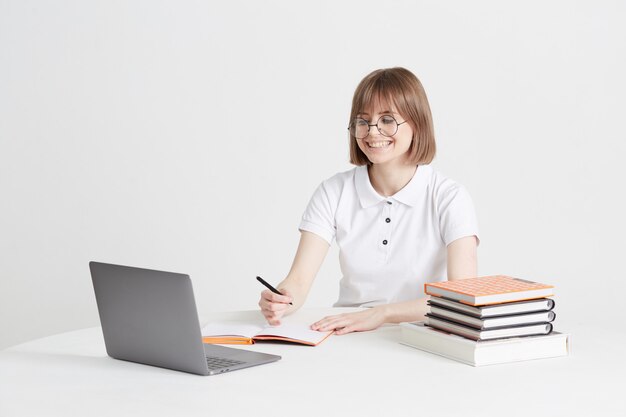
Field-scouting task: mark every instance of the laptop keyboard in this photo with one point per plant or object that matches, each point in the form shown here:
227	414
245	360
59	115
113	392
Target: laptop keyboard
216	362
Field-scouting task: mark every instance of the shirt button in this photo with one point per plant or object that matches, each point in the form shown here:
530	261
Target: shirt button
384	242
387	219
389	202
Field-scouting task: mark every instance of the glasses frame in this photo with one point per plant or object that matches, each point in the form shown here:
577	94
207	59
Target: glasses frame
369	126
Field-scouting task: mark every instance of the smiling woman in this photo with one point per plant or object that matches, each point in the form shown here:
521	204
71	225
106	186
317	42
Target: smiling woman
388	95
397	222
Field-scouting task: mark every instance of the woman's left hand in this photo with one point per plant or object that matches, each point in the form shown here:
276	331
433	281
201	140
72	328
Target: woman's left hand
369	319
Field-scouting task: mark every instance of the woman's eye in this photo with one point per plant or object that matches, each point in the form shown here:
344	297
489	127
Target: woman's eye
361	122
387	120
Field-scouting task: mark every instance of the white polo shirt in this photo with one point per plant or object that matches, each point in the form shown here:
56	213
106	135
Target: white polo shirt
389	246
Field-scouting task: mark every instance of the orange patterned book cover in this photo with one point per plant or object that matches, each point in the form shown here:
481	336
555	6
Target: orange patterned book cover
495	289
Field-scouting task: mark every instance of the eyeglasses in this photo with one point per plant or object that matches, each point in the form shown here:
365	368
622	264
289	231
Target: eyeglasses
386	125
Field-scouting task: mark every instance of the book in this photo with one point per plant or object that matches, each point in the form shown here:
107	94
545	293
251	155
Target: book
247	334
493	322
489	334
493	289
494	310
481	353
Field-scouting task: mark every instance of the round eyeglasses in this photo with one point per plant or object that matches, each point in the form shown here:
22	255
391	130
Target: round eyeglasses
386	125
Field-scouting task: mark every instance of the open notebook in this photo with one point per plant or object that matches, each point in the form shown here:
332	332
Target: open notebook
246	334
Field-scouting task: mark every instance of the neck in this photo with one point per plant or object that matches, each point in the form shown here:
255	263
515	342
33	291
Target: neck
388	180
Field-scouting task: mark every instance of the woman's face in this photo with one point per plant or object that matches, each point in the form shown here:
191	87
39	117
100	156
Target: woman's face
381	149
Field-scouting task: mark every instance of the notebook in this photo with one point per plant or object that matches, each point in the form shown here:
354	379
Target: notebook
489	290
236	333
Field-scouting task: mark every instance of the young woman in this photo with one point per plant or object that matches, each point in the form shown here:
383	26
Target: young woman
398	223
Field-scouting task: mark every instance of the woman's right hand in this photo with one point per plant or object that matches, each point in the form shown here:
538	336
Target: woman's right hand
274	306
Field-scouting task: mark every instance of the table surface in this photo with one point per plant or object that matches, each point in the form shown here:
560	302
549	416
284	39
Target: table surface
361	374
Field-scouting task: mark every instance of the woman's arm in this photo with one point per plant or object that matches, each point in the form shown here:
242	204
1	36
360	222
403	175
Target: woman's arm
462	258
462	263
311	252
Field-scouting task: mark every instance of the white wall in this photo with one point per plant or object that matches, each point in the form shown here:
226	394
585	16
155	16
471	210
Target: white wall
189	136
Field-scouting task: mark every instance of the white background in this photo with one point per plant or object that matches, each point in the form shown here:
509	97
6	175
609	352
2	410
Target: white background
188	136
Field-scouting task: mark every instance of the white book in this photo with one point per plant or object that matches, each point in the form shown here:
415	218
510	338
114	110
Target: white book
480	353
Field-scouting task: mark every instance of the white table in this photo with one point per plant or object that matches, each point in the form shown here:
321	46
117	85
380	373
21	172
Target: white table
360	374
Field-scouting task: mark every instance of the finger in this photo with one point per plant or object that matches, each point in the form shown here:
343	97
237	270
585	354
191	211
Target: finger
274	321
282	306
268	316
323	323
275	307
272	306
273	317
264	302
267	295
333	324
276	298
328	319
345	330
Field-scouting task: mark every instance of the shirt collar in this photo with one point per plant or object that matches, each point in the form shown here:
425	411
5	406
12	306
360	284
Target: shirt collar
409	195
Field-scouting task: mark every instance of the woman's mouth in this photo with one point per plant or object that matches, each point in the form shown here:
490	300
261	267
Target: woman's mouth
378	144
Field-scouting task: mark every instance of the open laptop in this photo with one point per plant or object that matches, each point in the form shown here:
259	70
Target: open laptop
150	317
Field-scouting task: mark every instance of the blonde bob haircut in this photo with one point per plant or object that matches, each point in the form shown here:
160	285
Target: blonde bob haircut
400	87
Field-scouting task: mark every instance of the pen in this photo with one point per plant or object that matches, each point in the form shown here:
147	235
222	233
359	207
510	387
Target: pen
269	287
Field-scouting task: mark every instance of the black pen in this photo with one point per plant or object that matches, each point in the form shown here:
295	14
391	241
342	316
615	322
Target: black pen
269	287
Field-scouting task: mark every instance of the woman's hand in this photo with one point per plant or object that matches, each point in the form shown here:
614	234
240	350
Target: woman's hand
274	306
369	319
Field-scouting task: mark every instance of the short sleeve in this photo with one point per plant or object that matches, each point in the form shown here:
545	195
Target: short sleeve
319	216
457	217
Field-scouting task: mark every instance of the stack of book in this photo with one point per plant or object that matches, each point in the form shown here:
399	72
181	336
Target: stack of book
488	320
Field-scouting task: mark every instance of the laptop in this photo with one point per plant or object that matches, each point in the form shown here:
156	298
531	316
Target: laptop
150	317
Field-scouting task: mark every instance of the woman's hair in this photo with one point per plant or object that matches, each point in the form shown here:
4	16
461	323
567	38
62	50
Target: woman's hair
400	87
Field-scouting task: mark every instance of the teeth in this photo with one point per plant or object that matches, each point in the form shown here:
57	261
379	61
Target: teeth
379	144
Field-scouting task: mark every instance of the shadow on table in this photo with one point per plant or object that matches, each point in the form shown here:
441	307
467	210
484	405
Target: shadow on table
63	362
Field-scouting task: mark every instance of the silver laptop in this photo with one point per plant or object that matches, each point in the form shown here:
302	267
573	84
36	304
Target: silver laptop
150	317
